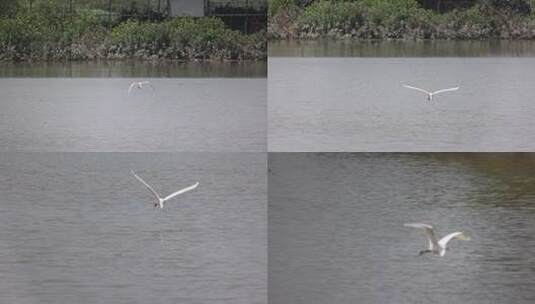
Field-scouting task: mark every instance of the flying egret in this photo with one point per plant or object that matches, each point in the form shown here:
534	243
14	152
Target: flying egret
431	94
160	200
437	247
139	85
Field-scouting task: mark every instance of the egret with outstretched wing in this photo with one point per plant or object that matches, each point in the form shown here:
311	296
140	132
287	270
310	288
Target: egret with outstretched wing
430	94
437	247
139	85
159	199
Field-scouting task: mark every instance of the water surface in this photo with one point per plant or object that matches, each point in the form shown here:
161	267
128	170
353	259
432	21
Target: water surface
98	114
336	230
379	48
134	69
358	104
78	228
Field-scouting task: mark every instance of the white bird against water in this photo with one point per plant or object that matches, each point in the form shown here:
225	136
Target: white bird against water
139	85
431	94
437	247
160	200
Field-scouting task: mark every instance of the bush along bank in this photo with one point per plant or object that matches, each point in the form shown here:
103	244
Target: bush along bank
44	37
372	19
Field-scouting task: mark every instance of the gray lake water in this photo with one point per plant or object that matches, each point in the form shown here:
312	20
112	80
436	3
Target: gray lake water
358	104
97	114
134	68
78	228
336	230
393	48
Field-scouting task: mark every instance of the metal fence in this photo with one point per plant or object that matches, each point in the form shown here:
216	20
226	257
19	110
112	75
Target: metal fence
114	5
109	11
228	7
145	9
245	15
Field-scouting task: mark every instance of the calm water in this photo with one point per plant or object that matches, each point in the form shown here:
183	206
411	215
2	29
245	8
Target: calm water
371	48
134	69
78	228
96	114
359	104
336	230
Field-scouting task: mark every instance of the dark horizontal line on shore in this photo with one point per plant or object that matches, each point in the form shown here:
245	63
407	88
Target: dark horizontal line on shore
132	68
400	48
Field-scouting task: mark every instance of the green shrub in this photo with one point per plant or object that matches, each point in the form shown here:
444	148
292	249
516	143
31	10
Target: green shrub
473	23
371	18
131	36
406	19
274	6
326	14
44	33
185	38
207	37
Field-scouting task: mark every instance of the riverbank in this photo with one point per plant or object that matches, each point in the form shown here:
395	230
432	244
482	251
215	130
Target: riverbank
44	37
326	47
405	20
134	69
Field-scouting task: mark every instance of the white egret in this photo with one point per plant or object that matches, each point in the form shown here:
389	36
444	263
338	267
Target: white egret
139	85
160	200
437	247
431	94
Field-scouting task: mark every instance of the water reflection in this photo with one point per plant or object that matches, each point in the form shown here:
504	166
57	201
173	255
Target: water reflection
509	177
359	48
134	69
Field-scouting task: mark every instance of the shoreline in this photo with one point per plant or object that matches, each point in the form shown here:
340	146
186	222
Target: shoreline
328	47
134	68
64	55
135	60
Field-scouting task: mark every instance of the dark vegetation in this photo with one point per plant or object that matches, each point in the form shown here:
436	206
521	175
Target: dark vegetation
38	30
402	19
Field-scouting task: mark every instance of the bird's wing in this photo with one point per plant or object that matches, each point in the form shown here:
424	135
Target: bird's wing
146	185
148	83
417	89
445	90
131	87
457	235
428	229
170	196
